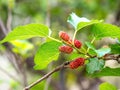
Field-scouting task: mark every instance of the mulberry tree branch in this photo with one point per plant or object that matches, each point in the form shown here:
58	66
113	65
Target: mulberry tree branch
64	65
112	57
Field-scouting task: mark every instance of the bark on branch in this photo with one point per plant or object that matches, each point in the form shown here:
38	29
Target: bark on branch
64	65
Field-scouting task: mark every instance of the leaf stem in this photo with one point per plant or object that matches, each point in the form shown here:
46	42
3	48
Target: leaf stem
91	43
83	49
93	39
54	39
78	50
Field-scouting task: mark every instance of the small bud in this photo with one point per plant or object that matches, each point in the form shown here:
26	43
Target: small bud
63	35
66	49
76	63
77	43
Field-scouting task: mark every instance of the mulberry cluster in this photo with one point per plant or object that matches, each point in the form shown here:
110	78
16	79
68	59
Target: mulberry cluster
67	49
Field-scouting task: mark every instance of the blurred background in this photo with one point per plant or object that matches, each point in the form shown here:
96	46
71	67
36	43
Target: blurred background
16	57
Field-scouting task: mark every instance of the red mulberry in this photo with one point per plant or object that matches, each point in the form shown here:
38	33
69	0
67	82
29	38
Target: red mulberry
63	35
77	43
66	49
76	63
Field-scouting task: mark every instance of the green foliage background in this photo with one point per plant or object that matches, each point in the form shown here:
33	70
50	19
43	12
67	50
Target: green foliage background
39	11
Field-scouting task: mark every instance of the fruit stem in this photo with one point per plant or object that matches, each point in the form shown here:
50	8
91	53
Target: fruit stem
73	47
91	43
74	36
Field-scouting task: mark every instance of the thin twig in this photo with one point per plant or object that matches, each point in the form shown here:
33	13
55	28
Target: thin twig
15	60
4	30
24	75
11	76
62	79
112	57
48	14
21	68
48	81
64	65
12	59
49	78
9	19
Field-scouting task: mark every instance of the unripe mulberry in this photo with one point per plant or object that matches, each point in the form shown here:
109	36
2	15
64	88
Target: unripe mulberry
63	35
77	43
66	49
76	63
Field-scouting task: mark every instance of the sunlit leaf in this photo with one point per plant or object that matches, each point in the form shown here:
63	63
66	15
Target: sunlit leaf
101	30
21	46
27	31
83	24
46	53
115	48
107	86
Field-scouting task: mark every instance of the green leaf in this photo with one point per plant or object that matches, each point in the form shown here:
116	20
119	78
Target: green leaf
83	24
102	51
94	65
101	30
107	72
115	48
89	45
92	52
91	49
118	41
107	86
46	53
27	31
74	55
74	20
